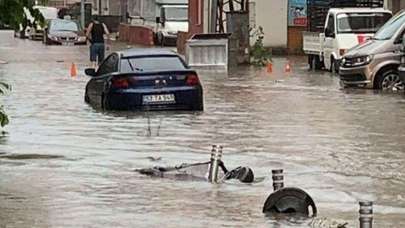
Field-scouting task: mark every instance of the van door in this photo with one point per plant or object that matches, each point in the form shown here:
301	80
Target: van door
329	41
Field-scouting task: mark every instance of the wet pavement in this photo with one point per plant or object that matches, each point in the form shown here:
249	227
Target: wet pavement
64	164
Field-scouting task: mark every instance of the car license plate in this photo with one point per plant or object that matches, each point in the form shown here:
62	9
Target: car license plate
67	43
159	99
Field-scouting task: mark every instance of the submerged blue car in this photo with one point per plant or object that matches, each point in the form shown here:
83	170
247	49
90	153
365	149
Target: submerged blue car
144	79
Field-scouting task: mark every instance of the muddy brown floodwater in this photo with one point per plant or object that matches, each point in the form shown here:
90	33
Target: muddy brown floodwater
64	164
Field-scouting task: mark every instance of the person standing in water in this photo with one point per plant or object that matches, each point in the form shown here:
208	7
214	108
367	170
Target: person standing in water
95	34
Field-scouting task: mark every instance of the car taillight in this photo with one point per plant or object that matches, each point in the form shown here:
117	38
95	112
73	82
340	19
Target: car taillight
192	80
120	83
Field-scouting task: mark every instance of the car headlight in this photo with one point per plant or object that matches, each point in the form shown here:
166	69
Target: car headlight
53	37
81	39
357	61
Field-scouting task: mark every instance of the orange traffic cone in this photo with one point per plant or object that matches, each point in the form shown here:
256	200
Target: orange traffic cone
269	67
73	70
287	68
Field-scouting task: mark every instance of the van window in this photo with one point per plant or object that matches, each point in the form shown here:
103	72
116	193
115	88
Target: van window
391	27
361	22
331	24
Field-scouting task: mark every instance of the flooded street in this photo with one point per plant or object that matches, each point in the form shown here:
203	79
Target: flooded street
65	164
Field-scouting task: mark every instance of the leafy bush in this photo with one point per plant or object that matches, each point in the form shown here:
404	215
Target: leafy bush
260	56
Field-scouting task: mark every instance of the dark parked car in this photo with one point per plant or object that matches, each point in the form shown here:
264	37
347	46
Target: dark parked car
64	32
144	79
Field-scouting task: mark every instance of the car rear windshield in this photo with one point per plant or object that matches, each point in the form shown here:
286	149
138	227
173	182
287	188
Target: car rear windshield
64	25
391	27
361	22
151	64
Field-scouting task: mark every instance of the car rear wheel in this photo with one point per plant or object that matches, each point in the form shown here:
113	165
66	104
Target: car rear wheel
86	98
389	80
104	103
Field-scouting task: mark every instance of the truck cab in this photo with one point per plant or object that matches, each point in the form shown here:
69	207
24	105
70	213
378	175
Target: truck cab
172	19
343	29
346	28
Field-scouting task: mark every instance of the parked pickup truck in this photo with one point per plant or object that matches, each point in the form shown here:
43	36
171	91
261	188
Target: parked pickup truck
343	29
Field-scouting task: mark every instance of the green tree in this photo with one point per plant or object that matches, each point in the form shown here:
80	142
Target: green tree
12	12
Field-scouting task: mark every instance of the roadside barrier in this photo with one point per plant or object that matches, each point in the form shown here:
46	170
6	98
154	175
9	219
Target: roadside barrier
217	172
73	70
285	200
270	67
287	68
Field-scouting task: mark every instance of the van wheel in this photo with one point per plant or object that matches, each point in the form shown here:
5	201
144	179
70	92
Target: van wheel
334	68
388	80
314	62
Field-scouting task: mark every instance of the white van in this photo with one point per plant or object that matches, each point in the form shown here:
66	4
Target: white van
344	28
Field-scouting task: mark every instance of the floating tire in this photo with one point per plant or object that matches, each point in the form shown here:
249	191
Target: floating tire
290	200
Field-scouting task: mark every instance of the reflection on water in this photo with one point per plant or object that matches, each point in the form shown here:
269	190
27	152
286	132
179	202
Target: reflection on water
75	164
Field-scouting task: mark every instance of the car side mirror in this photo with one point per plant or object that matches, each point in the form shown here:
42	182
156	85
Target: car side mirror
90	72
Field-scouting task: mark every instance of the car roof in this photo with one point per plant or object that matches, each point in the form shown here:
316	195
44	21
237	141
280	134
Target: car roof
359	10
58	19
141	52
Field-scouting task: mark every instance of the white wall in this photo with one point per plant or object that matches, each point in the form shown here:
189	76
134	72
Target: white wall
272	16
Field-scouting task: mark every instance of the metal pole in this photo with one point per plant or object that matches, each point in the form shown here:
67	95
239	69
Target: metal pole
82	13
366	214
278	179
214	18
213	151
99	8
216	156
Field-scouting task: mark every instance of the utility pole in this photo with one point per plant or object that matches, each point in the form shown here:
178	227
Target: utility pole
99	7
82	13
214	16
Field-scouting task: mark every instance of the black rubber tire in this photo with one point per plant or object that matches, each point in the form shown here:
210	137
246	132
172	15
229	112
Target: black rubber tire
86	98
199	107
381	76
104	103
314	62
334	68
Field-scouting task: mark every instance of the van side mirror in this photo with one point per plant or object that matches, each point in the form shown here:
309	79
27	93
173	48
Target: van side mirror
90	72
157	20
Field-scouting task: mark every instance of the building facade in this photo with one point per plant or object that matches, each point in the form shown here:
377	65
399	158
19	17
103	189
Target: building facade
395	5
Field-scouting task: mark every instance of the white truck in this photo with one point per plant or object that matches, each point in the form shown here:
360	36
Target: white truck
343	29
167	17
